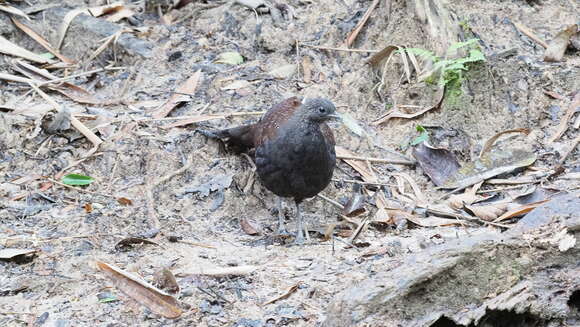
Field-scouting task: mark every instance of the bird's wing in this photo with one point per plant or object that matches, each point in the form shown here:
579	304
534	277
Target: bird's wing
268	127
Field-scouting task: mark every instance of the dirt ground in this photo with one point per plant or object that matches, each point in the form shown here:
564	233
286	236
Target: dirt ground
204	206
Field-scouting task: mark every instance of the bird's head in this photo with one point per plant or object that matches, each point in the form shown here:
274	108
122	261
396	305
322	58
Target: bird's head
319	110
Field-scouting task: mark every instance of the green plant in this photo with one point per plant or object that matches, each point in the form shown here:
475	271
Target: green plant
449	72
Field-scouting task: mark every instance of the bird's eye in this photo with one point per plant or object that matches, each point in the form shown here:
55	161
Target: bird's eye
321	110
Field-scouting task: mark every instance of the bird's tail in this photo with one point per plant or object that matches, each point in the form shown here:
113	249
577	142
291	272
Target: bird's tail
237	139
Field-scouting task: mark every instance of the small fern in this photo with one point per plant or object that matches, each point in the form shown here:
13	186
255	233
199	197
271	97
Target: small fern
450	71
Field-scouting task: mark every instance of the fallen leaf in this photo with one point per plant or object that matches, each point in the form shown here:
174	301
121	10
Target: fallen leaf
489	143
144	293
76	179
12	49
434	221
188	87
437	163
248	228
88	207
457	201
40	40
396	113
128	242
489	165
520	211
124	201
557	47
164	279
14	11
487	212
355	204
231	58
9	254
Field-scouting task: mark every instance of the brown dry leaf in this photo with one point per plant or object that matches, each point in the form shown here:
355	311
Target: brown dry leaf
489	143
14	11
385	54
188	87
520	211
248	228
9	254
124	201
144	293
121	13
88	207
289	292
395	113
468	197
437	163
418	197
355	204
307	69
40	40
487	212
12	49
557	47
366	173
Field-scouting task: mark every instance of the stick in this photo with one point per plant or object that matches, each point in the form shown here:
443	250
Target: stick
526	31
337	49
63	79
392	161
354	33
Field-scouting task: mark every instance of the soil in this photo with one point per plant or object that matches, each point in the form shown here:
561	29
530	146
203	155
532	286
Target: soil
205	205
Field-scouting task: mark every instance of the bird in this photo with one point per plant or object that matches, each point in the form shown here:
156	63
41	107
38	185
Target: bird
293	149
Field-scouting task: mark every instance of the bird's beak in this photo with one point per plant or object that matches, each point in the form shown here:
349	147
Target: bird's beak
335	116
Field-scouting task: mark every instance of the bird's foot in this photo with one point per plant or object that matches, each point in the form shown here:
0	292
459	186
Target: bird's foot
299	240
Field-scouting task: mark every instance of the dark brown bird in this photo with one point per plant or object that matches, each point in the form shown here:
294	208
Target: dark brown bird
294	150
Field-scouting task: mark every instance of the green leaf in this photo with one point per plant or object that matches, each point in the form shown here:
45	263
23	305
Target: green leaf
76	179
424	136
47	55
231	58
108	299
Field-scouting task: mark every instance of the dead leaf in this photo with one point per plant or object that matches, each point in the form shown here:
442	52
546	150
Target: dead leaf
468	197
557	47
489	143
396	113
9	254
564	121
88	207
437	163
125	201
14	11
490	165
188	87
121	13
128	242
355	204
248	228
520	211
40	40
354	33
144	293
359	166
487	212
12	49
433	221
289	292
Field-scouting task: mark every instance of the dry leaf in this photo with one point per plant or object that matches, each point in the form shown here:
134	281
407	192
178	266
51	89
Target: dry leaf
124	201
487	212
396	113
520	211
40	40
557	47
12	49
88	207
188	87
489	143
248	228
14	11
437	163
8	254
144	293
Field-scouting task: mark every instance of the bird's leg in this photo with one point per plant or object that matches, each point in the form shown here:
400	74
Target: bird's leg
299	227
281	228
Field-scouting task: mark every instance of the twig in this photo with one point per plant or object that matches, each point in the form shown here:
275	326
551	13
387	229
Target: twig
353	181
197	244
391	161
354	33
564	122
337	49
331	201
526	31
